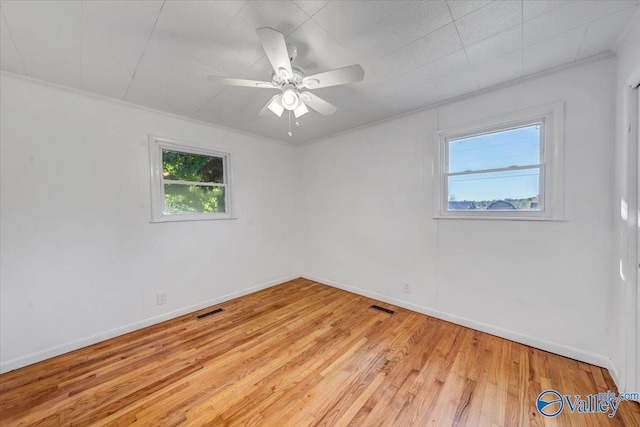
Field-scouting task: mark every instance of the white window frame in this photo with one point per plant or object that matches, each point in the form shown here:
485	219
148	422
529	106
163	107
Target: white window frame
551	118
156	145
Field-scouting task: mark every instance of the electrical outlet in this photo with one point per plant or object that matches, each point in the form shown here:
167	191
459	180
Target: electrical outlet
406	287
162	298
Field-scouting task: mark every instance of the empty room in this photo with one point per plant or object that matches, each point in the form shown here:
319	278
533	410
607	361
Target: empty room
319	213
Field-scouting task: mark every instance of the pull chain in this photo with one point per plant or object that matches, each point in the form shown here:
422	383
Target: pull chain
290	134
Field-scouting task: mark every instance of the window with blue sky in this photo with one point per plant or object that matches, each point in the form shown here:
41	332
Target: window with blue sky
499	170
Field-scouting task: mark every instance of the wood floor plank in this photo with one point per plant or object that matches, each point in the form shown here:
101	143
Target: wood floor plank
302	354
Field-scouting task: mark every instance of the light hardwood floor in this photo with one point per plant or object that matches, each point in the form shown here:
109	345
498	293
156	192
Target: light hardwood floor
299	354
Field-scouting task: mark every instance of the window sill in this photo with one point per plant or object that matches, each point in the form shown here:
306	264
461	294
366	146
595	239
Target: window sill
195	218
501	218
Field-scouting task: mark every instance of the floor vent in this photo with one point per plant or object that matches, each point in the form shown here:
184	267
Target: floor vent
209	313
382	309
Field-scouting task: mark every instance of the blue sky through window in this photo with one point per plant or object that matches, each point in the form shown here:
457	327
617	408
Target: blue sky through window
513	147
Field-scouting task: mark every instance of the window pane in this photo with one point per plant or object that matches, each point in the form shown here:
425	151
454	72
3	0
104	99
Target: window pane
192	167
513	147
191	199
510	190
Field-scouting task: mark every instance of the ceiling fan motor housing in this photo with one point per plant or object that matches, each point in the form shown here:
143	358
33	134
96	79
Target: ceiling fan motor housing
296	80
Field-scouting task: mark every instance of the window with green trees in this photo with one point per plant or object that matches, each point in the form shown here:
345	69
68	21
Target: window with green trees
189	183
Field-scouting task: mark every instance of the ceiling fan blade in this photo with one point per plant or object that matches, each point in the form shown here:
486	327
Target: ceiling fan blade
318	104
240	82
351	74
276	50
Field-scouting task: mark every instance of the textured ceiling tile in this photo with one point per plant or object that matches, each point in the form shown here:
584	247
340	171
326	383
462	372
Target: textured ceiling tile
558	50
372	42
200	73
195	39
429	94
187	98
496	46
252	110
604	8
416	97
435	45
418	19
317	50
602	34
460	8
282	15
218	12
184	34
388	7
188	28
343	18
262	68
310	7
450	64
226	62
219	114
47	38
500	70
271	127
343	97
395	63
228	102
168	94
9	58
534	8
369	113
488	21
461	83
426	74
110	57
312	127
242	40
374	87
157	61
152	90
569	16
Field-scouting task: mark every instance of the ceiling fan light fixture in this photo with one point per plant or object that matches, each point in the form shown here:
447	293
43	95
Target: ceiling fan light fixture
300	110
275	107
290	98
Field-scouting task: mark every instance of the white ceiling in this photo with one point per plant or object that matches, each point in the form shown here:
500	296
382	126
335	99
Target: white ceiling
415	53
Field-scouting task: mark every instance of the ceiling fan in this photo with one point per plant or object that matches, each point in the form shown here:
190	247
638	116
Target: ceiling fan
294	86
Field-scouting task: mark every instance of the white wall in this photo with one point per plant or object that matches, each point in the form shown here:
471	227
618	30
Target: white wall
80	261
368	209
623	284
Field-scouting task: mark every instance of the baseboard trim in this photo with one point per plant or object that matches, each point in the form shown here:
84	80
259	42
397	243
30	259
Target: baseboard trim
542	344
39	356
615	375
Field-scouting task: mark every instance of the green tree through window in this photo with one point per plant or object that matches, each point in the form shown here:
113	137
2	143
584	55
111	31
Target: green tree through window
193	183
